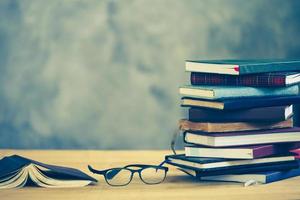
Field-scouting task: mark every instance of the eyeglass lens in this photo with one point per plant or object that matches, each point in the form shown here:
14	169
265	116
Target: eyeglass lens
153	175
123	176
118	176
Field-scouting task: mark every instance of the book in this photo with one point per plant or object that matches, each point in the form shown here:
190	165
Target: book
240	67
240	103
240	152
296	151
219	166
186	125
17	171
254	170
275	79
265	114
243	137
260	177
228	92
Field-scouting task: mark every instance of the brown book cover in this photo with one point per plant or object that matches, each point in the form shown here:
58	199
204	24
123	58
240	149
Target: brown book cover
186	125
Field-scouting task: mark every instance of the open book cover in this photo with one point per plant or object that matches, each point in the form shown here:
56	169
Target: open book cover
17	171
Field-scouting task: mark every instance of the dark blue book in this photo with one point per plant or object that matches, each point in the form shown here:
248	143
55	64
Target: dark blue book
260	177
17	171
240	103
240	67
265	114
220	166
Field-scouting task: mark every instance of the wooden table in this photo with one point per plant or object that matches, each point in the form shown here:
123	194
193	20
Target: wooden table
176	186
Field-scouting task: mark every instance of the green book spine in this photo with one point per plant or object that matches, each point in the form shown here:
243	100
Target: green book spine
225	92
269	67
242	67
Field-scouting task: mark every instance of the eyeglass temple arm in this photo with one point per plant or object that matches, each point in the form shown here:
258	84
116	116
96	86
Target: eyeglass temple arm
173	141
161	164
96	171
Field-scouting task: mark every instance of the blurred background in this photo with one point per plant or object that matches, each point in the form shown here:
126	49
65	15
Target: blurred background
105	74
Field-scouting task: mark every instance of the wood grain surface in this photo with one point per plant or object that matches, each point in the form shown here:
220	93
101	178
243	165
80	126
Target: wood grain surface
176	186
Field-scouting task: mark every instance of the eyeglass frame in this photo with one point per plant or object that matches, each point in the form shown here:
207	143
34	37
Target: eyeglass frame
133	171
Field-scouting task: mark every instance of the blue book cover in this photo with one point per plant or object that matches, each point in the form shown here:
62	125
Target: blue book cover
240	67
240	103
260	177
227	92
280	175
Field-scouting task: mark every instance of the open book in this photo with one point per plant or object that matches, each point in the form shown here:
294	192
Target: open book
17	171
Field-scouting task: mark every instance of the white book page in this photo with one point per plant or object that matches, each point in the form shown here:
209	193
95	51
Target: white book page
19	180
40	179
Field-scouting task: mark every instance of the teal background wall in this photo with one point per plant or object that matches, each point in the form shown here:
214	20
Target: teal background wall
105	74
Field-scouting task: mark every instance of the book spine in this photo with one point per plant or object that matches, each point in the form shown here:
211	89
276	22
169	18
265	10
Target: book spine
266	80
226	93
186	125
266	150
266	114
277	176
248	103
268	67
246	169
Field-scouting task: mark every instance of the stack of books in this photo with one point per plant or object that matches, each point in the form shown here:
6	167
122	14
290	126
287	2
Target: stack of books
240	120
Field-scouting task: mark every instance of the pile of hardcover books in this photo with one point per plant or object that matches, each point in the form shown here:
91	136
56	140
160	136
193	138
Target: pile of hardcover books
240	120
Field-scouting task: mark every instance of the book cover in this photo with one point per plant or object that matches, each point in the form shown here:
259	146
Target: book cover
296	151
240	67
260	177
16	171
218	166
265	114
276	79
227	92
240	103
186	125
240	138
239	152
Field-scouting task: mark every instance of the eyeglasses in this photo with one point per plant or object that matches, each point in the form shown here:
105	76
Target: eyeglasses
149	174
